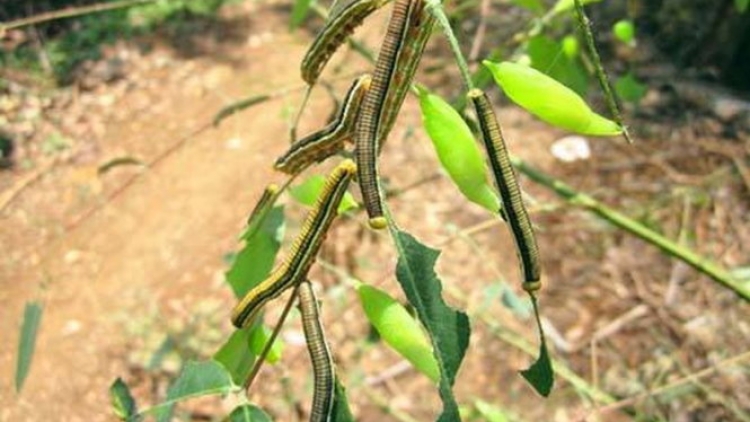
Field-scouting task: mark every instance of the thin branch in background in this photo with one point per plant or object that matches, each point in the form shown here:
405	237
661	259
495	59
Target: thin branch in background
69	13
476	45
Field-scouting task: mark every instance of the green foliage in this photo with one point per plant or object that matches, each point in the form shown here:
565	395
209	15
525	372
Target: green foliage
448	329
299	12
549	57
196	379
32	316
70	42
540	374
255	261
549	100
307	192
741	5
123	403
248	413
398	329
630	89
566	5
457	150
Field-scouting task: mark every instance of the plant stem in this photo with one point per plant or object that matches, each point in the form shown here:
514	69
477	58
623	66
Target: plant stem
436	8
626	223
69	13
614	110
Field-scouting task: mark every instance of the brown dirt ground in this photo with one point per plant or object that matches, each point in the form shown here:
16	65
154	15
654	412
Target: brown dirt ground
120	265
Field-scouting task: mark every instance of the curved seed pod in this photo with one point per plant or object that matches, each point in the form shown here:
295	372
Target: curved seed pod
303	251
330	140
550	100
367	127
399	329
345	16
320	355
510	194
457	150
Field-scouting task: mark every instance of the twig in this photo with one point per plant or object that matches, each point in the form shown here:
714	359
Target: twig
12	192
694	377
476	45
696	261
69	13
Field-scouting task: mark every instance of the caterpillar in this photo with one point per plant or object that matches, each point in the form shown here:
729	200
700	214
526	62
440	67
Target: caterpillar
320	355
326	142
367	127
304	249
513	209
345	16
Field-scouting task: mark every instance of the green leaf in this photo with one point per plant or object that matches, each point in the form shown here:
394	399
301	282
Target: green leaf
123	403
248	413
341	411
457	150
258	339
399	329
255	261
196	379
741	5
624	30
549	57
550	100
299	12
630	89
235	355
307	192
540	374
535	6
566	5
448	329
32	315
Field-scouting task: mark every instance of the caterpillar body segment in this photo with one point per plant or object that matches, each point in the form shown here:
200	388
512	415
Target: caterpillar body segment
330	140
514	211
304	249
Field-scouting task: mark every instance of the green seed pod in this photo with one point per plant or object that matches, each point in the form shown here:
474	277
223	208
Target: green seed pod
624	31
399	329
458	152
550	100
570	46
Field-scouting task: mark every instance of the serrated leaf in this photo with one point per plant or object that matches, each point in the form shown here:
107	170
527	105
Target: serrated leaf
398	329
123	403
196	379
307	192
248	413
32	315
448	329
299	13
254	262
457	150
550	100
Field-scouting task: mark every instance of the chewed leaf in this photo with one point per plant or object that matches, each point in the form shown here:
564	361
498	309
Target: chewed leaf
122	401
457	150
550	100
540	374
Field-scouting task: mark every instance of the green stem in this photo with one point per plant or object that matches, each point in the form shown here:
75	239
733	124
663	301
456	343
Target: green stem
436	8
624	222
601	75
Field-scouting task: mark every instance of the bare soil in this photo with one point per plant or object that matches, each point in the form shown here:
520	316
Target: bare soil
125	258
